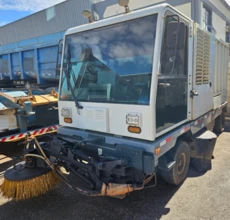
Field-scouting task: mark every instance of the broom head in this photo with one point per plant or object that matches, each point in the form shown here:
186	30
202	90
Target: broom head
23	182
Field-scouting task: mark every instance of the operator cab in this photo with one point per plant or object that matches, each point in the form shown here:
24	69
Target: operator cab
131	68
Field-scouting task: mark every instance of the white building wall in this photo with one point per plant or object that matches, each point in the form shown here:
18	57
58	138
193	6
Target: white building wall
191	8
105	9
220	16
229	86
220	26
221	6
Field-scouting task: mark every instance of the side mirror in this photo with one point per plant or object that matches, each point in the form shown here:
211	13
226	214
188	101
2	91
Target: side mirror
175	37
60	45
58	70
59	56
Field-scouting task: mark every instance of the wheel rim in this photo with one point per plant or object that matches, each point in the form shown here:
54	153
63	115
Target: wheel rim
181	163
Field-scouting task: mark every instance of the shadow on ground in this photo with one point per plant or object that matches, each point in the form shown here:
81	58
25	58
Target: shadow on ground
227	125
7	152
62	203
10	149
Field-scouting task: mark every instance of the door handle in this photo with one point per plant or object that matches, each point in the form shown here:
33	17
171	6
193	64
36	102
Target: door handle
52	108
193	93
164	84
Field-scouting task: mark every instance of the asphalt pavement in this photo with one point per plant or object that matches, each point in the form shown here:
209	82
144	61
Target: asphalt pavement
201	196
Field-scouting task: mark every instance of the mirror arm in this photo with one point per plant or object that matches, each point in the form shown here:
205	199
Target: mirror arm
178	29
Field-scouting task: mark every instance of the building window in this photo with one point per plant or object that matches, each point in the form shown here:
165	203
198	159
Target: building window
228	37
207	18
228	33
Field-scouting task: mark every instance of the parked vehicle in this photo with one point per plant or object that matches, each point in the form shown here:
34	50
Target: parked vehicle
139	93
37	65
22	111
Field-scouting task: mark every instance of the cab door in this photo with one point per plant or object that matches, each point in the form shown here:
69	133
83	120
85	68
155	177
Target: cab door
172	102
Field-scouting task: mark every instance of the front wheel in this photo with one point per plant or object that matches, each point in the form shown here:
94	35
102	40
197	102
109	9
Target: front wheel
178	173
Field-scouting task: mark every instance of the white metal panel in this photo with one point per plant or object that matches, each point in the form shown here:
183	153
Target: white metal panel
4	122
96	119
218	67
8	120
202	76
212	61
12	121
190	67
215	84
225	72
112	119
16	94
217	101
221	69
2	107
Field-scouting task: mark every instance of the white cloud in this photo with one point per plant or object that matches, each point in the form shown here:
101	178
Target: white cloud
3	23
228	1
27	5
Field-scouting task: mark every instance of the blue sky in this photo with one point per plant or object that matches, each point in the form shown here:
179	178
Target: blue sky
11	10
7	16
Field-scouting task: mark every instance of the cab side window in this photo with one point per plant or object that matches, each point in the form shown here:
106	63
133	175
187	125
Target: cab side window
171	104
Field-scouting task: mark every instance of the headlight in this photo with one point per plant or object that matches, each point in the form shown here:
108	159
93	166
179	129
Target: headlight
133	119
66	112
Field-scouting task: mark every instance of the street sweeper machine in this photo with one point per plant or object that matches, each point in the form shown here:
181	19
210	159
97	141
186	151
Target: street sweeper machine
140	94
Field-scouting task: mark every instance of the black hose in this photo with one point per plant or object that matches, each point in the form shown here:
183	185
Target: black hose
67	182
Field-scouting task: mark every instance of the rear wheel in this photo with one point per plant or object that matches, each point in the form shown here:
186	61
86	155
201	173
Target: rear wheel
178	173
219	124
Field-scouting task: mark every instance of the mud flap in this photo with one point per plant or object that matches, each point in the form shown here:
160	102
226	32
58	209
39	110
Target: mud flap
164	165
202	151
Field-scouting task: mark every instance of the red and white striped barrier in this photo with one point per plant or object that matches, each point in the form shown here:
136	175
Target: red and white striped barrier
37	132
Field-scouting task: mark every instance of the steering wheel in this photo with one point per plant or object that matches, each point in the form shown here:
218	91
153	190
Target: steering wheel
130	90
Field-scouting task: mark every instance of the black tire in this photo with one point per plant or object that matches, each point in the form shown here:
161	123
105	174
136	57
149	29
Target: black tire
178	173
219	124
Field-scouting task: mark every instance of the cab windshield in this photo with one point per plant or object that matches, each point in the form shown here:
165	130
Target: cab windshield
112	64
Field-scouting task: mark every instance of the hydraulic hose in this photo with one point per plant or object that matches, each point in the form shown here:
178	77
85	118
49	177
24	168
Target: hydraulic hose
49	163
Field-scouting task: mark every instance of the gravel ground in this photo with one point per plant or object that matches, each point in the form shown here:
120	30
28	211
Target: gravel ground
205	196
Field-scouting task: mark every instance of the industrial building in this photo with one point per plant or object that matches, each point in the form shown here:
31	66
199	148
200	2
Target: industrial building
29	46
213	15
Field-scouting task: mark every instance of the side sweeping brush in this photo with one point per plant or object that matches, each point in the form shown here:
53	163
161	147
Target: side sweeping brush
25	189
33	177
